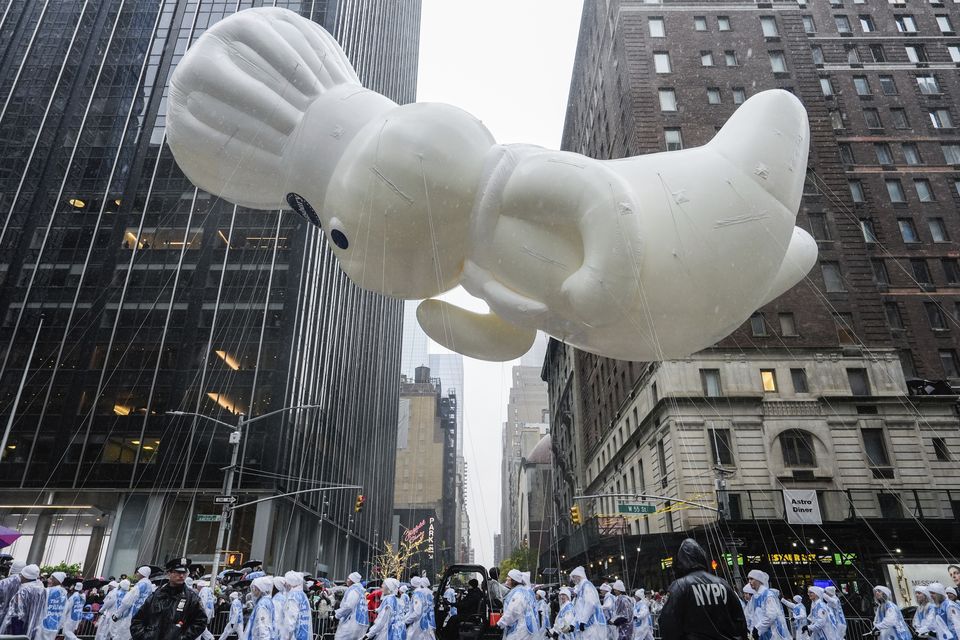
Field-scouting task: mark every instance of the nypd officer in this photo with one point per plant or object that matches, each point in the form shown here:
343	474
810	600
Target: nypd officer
172	612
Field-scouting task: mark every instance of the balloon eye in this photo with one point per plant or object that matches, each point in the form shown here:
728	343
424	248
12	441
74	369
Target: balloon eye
339	239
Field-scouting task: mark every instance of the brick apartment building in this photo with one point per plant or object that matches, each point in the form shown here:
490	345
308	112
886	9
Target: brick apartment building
847	383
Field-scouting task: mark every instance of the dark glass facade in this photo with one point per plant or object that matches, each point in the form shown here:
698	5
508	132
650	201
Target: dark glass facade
144	295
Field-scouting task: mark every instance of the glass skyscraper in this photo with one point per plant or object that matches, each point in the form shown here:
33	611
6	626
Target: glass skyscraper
126	293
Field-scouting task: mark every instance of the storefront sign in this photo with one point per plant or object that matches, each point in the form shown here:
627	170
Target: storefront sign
413	535
905	577
802	506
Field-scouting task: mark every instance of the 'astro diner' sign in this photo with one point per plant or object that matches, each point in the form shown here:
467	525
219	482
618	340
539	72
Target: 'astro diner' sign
802	506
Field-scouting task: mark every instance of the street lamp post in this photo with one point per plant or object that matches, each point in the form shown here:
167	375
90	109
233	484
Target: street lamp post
227	511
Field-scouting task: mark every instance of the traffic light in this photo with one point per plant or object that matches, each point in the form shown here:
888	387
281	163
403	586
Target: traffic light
358	506
575	517
234	558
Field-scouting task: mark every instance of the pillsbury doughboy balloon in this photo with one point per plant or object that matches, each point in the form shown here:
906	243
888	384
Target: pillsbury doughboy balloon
645	258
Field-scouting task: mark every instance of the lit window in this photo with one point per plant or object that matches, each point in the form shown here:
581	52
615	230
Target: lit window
928	85
832	278
938	231
699	23
673	139
739	95
668	100
768	24
757	325
713	96
723	23
778	62
706	58
911	153
924	190
787	325
951	153
940	119
907	231
657	29
895	190
769	379
799	378
869	233
861	85
661	62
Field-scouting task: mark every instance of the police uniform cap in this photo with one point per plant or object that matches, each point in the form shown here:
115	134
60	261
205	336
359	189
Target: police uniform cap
179	564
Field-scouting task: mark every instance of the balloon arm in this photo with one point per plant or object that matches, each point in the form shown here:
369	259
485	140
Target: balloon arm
485	336
800	257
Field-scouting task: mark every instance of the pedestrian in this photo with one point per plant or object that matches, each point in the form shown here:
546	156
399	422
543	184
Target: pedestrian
830	597
208	602
471	604
497	591
888	622
449	628
949	612
519	619
131	603
404	601
234	618
299	621
107	609
925	617
587	609
798	616
642	618
172	612
420	621
700	604
389	624
27	607
767	612
280	607
821	624
622	611
607	603
8	588
543	613
352	614
260	625
746	602
951	594
74	612
565	627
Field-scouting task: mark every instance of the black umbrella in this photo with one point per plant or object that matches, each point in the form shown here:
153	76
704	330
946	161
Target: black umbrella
94	583
250	564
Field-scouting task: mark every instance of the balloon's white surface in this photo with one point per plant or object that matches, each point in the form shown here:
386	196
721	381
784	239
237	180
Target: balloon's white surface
644	258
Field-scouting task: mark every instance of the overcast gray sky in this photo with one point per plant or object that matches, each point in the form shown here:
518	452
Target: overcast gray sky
507	62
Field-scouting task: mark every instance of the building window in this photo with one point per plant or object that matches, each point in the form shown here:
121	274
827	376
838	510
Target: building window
817	52
730	58
710	379
938	230
699	23
706	58
946	27
877	53
867	26
908	231
872	118
662	459
799	379
837	119
861	85
843	24
846	153
661	62
940	119
723	23
853	55
768	24
888	85
859	383
809	25
657	28
890	506
713	96
777	62
951	270
875	448
935	316
894	319
899	117
818	226
954	51
895	190
788	327
951	153
673	139
721	447
911	153
906	24
928	85
668	100
832	278
924	190
739	95
826	86
951	366
757	325
797	448
768	378
844	324
916	53
920	271
856	191
879	268
906	363
869	233
884	156
940	450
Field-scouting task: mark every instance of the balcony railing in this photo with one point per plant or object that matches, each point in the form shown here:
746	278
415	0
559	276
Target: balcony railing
839	505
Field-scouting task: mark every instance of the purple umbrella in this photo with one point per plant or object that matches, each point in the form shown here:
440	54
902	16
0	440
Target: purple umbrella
8	536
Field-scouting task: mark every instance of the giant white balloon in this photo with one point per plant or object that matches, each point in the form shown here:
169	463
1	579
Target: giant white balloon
645	258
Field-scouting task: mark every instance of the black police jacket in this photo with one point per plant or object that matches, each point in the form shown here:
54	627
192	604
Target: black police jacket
169	613
701	606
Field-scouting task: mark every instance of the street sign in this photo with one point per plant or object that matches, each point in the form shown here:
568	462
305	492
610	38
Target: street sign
225	500
625	507
208	517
